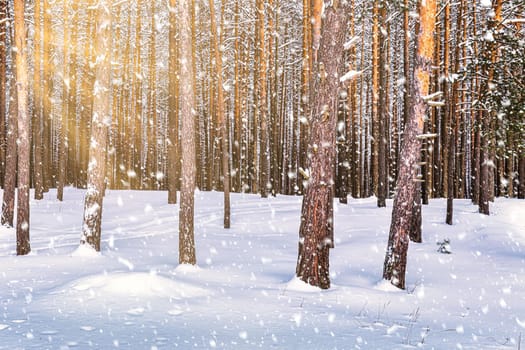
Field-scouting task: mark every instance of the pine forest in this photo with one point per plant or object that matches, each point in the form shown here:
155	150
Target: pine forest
405	100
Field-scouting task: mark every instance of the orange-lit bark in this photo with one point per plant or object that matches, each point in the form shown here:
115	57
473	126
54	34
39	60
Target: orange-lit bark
402	214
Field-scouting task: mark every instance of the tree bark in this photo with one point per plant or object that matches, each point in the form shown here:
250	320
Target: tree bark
63	145
316	230
262	99
487	163
521	176
38	114
382	108
221	118
91	229
24	126
173	112
186	214
375	117
402	214
3	84
47	88
8	199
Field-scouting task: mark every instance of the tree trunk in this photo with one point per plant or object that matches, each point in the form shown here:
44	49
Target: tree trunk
221	118
521	176
262	99
187	200
3	84
47	88
86	100
316	230
306	73
487	163
449	114
24	126
8	199
91	229
236	142
38	114
173	109
375	117
382	112
63	144
402	214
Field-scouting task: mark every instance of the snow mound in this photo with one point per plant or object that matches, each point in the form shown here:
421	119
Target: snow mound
298	285
386	286
137	284
85	251
187	269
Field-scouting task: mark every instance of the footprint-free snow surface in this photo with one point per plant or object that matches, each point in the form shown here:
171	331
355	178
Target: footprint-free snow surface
243	295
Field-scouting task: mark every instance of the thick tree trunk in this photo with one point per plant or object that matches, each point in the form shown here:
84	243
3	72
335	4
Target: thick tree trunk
24	127
402	214
91	229
186	214
316	231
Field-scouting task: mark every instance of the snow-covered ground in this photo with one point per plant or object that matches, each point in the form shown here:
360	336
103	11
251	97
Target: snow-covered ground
243	295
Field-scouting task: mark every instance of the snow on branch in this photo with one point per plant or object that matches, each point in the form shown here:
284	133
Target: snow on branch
432	96
351	43
350	75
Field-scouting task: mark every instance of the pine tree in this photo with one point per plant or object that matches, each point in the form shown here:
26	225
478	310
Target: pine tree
316	230
101	119
187	104
403	211
24	126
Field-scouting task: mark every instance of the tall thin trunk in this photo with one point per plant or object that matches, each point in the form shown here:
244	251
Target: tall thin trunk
63	144
151	180
375	99
449	113
382	107
47	88
173	109
187	102
24	126
3	85
38	114
8	199
476	123
487	166
304	119
237	123
86	100
73	170
91	229
521	175
221	118
264	164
